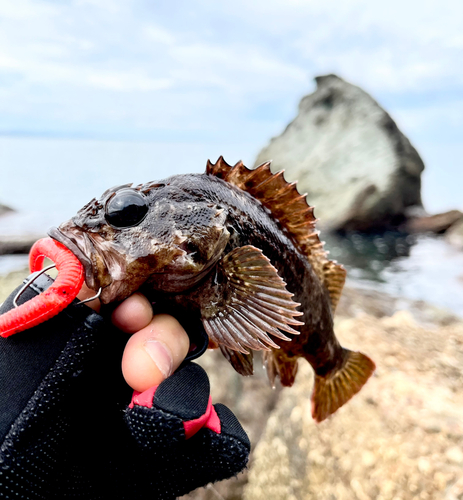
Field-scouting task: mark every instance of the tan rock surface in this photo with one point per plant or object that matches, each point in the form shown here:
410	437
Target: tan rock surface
400	438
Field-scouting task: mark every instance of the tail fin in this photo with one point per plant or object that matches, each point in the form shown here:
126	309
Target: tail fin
336	388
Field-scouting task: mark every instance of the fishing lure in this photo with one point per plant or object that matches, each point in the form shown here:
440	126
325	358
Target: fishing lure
53	300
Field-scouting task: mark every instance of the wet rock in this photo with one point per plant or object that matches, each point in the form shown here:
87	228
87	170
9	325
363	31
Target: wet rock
359	170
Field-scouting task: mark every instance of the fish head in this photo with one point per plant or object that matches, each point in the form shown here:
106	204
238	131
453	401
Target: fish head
157	233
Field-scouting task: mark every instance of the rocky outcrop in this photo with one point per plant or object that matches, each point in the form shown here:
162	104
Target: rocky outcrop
17	244
359	170
4	209
439	223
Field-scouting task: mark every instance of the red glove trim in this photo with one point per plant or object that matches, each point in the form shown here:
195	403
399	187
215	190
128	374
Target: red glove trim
209	419
143	398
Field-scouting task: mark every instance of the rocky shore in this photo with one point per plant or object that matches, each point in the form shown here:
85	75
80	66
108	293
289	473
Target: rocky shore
400	438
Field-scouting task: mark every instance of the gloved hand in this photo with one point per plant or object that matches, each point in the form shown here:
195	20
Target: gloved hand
66	429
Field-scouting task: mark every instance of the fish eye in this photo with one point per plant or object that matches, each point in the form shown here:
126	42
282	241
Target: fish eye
126	208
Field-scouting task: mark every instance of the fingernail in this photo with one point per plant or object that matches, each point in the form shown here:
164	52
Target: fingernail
161	356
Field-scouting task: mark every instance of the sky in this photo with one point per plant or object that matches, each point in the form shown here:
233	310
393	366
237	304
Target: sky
231	72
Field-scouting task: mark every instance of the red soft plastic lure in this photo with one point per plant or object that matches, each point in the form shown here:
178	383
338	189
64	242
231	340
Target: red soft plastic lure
53	300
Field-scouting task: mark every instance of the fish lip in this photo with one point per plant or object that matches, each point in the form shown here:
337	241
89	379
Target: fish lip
69	243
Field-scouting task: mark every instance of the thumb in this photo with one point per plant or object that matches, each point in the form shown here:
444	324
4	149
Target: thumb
154	352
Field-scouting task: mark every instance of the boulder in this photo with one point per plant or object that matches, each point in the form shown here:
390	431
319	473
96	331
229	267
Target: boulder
359	170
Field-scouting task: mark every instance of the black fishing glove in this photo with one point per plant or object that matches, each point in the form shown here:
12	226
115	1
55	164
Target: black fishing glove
67	428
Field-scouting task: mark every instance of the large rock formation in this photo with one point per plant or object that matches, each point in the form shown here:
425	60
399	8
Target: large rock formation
359	170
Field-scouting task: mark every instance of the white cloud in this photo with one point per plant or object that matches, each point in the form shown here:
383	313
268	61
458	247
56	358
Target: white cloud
394	46
181	67
158	34
235	68
127	82
14	10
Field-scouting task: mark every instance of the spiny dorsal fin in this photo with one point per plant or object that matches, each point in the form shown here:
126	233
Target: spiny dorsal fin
290	208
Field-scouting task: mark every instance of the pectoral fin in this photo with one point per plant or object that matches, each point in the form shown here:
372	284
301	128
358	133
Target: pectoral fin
252	304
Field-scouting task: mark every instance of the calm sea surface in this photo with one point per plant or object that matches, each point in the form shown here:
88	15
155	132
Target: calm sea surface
48	180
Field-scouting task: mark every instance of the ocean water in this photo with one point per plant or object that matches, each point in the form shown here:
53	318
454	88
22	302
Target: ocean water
423	267
47	180
50	179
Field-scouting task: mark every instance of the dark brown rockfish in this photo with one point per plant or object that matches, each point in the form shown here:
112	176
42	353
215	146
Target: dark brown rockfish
237	247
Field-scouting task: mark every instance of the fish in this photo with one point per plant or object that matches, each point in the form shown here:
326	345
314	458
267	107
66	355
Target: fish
237	248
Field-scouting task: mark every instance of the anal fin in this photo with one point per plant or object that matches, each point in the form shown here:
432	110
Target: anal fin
277	364
335	389
242	363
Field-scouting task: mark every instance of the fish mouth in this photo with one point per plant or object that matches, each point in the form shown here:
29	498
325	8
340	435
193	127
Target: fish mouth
74	243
